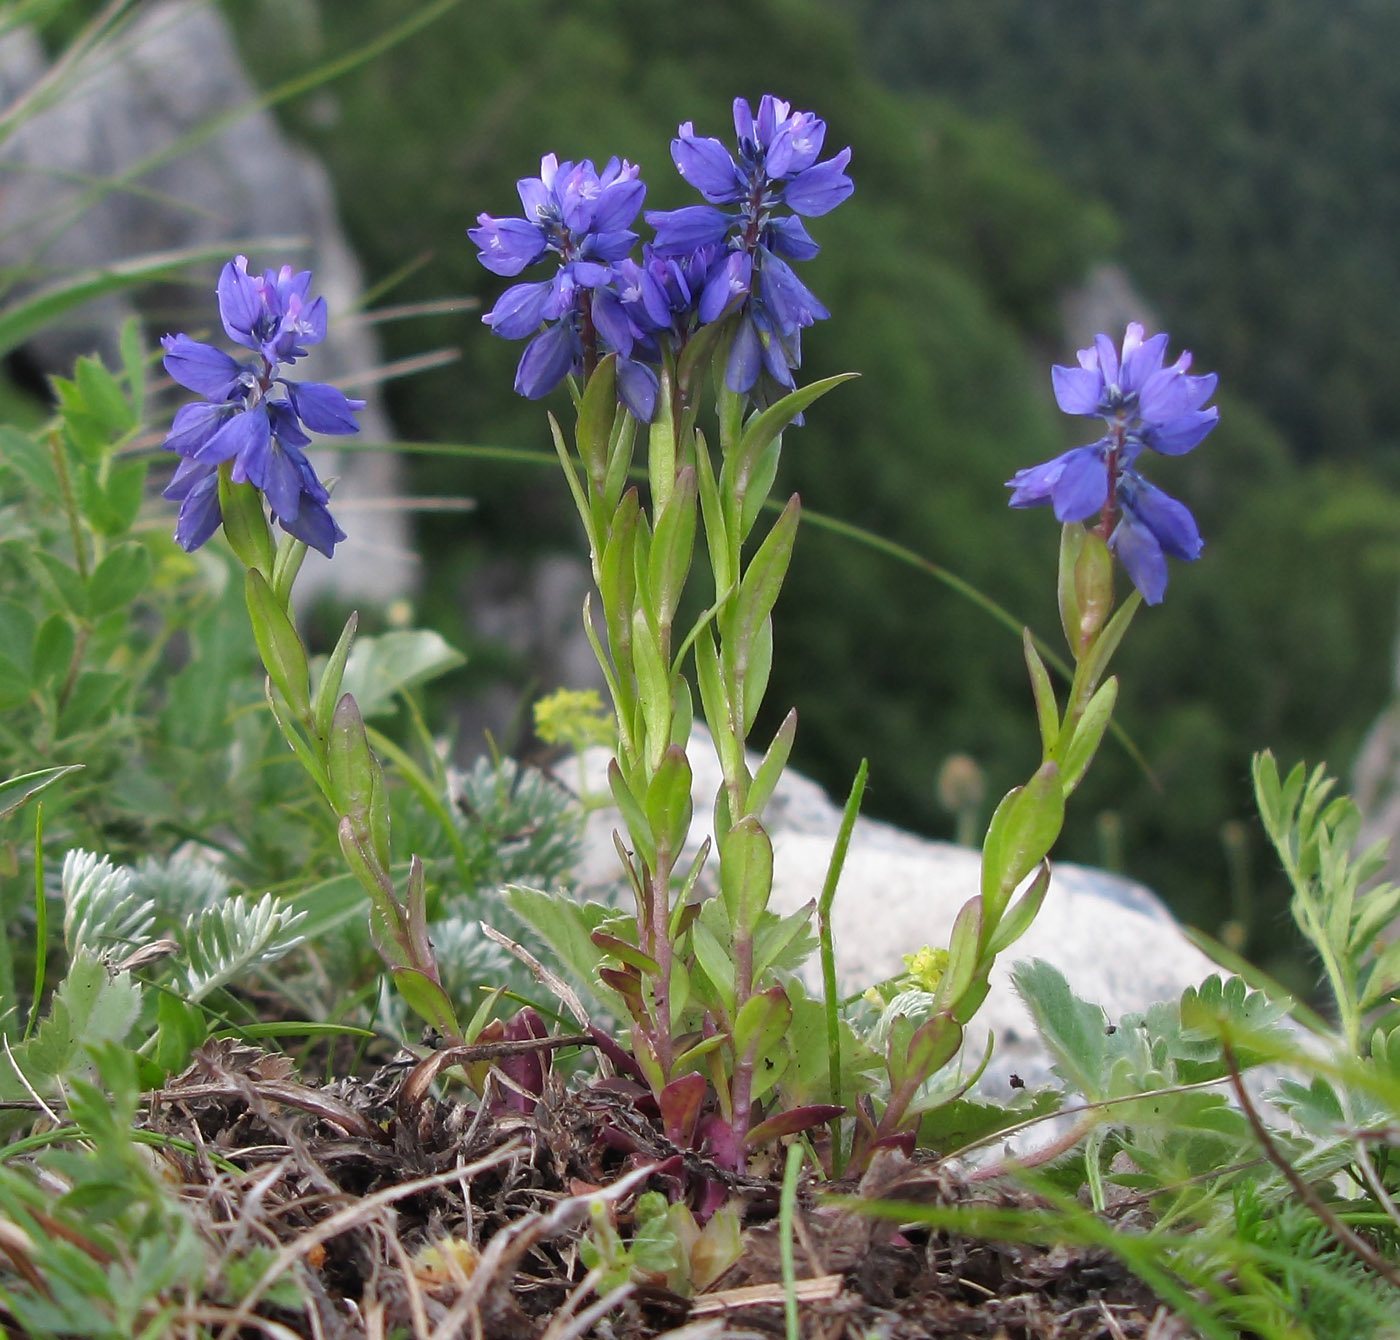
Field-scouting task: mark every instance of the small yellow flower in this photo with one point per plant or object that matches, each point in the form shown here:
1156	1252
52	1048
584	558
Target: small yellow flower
573	717
927	967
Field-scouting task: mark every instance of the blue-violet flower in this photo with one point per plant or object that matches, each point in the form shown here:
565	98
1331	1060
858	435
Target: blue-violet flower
1144	405
775	178
252	416
583	216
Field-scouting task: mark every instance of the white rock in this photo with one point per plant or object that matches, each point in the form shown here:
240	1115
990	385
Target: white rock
1114	940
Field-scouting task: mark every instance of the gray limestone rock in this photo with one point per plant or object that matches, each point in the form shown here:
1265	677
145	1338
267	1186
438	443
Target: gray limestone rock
162	117
1114	940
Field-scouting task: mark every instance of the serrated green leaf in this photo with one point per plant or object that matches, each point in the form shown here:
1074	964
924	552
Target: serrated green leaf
102	396
1071	1029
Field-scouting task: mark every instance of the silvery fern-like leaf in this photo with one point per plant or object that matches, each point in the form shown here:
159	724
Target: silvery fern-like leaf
221	943
180	887
101	910
466	959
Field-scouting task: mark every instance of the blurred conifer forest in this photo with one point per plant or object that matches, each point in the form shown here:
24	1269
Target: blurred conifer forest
1236	158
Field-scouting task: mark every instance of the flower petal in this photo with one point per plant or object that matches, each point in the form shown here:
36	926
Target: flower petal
519	310
313	526
637	387
507	246
200	367
685	230
546	361
1077	390
706	165
194	425
241	305
820	188
322	408
1178	436
1141	556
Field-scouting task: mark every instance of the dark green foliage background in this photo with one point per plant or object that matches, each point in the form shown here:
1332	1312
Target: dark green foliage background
1015	154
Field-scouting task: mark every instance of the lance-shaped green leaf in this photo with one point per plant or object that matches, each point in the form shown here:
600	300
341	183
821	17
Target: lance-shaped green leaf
351	766
1088	734
1020	836
14	791
712	512
770	770
760	485
714	702
763	428
1096	662
620	446
745	875
328	689
427	1000
19	320
650	666
669	560
964	956
935	1042
691	1056
617	579
286	563
1019	916
282	654
1071	543
625	952
245	524
762	1021
717	966
758	592
420	946
595	420
756	672
662	447
633	815
1047	710
376	882
668	803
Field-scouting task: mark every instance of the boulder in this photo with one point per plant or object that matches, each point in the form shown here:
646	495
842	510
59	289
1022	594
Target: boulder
1113	939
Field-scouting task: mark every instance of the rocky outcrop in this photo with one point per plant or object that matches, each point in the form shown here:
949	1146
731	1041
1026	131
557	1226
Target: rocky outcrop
152	142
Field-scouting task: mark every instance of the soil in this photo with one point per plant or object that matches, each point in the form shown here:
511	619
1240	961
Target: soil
399	1211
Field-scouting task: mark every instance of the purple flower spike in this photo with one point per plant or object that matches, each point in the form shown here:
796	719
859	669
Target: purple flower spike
1146	405
243	418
